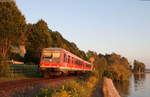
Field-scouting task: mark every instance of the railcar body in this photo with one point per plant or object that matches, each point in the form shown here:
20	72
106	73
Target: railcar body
57	61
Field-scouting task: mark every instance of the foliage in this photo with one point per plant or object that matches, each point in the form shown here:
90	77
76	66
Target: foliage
59	41
72	89
115	59
100	63
118	68
4	70
117	73
38	36
77	89
41	37
111	65
35	37
38	39
12	26
45	93
138	66
62	94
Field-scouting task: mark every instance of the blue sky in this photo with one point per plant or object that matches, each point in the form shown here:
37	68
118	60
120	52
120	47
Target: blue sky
105	26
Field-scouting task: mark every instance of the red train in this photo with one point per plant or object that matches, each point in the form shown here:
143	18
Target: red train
58	61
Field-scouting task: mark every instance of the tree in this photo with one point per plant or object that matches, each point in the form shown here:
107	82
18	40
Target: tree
115	59
60	42
118	67
138	66
12	26
125	62
39	38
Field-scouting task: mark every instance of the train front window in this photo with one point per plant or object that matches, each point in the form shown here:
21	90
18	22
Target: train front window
51	57
47	57
56	55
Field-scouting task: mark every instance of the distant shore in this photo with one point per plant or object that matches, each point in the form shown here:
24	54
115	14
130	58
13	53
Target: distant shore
142	72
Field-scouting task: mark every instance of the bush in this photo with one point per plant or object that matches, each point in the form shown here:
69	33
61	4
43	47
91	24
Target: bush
118	73
82	88
62	94
77	88
4	69
45	93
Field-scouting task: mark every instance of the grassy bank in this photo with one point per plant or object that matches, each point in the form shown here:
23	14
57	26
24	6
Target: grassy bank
82	87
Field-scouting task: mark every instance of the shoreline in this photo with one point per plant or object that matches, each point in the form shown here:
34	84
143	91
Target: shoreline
140	72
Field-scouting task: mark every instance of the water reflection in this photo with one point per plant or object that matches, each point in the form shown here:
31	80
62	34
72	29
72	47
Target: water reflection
139	80
123	88
137	86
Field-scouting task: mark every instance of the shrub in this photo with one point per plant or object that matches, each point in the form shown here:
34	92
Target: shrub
45	93
75	89
78	88
4	69
61	94
93	79
118	73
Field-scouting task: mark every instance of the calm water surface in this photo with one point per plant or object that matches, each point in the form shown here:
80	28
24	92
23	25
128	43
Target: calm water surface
138	86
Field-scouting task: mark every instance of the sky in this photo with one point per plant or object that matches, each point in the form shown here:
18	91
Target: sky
104	26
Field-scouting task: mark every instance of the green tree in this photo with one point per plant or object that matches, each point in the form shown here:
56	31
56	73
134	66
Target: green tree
100	63
124	61
60	42
118	68
12	26
38	38
138	66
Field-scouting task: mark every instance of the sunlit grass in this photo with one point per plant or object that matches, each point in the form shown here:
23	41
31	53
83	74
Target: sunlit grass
82	88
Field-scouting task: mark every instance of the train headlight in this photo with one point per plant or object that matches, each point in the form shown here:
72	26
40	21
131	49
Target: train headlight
50	60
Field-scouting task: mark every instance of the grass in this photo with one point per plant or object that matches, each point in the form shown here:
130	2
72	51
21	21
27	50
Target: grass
78	88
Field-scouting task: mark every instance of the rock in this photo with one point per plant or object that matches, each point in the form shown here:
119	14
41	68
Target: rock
109	89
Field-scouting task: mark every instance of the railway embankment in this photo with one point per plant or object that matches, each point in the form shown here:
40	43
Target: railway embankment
31	87
109	89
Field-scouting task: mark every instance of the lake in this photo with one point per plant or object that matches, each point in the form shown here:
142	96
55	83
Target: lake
138	86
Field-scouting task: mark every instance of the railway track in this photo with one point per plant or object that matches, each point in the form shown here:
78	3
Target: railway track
28	82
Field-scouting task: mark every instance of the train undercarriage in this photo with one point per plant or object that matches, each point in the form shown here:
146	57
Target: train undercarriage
56	72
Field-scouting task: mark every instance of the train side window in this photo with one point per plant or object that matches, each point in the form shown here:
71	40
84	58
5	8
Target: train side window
64	57
76	62
68	59
72	60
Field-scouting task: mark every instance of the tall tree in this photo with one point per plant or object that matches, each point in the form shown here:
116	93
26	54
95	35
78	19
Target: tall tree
138	66
39	38
12	26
